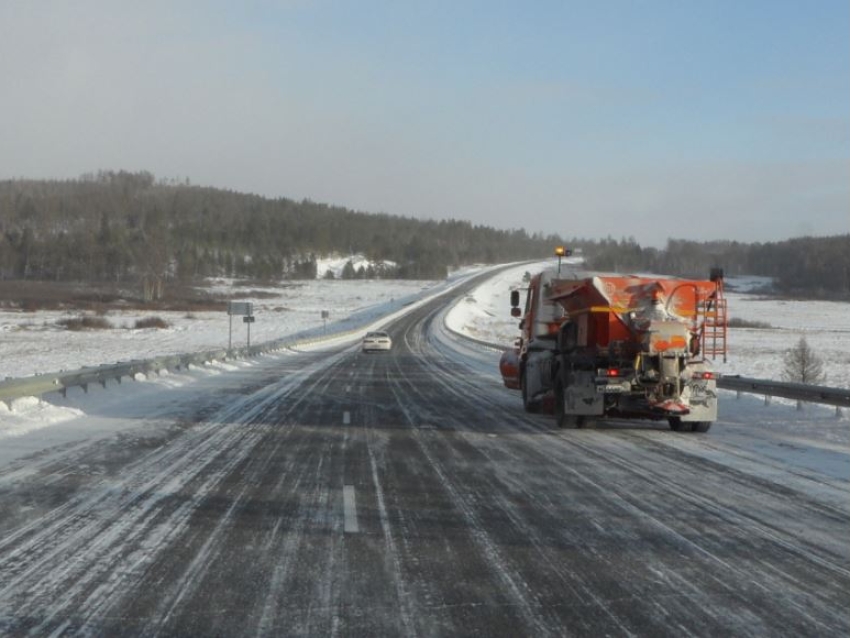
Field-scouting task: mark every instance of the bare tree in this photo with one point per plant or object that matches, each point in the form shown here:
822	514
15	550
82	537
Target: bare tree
802	365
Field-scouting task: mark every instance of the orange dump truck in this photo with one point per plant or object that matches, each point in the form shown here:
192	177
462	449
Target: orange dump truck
619	346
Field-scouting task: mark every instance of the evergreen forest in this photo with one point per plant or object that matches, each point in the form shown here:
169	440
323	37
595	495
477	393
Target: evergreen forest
128	227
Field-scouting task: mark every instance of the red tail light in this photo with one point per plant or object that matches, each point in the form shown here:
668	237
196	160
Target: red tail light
613	372
704	376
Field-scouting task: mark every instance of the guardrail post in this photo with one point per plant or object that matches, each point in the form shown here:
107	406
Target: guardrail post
767	399
838	412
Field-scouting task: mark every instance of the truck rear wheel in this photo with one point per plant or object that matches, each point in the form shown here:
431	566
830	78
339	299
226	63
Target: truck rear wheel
527	404
677	426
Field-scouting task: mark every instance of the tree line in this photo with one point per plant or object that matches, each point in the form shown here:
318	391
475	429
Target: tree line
119	226
122	226
813	267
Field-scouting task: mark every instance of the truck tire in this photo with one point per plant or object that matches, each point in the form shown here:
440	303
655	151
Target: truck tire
702	426
587	422
677	426
527	404
562	420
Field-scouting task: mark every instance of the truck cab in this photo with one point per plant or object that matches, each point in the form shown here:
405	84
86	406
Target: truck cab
540	323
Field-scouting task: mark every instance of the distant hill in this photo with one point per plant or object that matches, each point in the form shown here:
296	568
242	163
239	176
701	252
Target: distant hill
121	226
125	227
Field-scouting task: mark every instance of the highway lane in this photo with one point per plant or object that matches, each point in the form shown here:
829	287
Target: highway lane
407	493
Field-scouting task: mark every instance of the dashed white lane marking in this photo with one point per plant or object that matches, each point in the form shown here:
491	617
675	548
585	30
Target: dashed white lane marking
349	508
346	417
348	388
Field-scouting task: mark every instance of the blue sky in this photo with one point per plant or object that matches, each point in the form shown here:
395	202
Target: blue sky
644	119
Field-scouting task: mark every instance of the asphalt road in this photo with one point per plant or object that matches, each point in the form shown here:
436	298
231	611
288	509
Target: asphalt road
407	494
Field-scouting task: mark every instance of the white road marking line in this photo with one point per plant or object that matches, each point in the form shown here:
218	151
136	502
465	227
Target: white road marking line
346	417
348	388
349	507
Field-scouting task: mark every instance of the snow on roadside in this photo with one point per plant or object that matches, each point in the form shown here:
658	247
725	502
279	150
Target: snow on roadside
15	419
486	313
31	413
33	343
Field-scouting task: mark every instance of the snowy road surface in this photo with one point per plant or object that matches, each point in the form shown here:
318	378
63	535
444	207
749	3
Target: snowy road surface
405	494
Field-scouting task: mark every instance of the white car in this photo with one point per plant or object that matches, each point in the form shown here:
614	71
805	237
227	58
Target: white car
377	341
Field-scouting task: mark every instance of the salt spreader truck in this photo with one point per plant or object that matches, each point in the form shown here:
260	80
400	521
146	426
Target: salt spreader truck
619	347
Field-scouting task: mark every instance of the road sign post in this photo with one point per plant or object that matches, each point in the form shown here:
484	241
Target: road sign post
243	308
248	321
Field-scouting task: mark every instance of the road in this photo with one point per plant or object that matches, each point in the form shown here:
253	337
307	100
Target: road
408	494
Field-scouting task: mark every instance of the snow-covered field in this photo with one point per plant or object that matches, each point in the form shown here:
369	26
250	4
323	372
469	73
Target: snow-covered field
34	343
31	343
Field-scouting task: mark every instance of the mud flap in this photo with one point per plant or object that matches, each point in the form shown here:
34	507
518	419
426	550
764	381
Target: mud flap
701	401
581	397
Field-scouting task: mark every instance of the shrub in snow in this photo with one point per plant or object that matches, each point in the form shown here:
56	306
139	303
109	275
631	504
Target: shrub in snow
151	322
802	365
737	322
85	323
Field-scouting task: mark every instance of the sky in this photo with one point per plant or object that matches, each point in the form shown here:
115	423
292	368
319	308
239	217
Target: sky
727	119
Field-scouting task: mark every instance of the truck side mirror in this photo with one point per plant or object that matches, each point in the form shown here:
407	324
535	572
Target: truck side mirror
514	300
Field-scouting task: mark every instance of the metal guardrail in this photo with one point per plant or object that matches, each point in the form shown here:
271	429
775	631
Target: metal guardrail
838	397
42	384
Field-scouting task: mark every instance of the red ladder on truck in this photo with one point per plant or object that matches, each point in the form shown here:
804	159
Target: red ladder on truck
712	311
